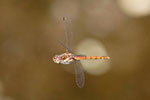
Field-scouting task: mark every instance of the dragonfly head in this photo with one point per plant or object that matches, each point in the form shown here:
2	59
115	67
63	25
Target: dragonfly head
56	59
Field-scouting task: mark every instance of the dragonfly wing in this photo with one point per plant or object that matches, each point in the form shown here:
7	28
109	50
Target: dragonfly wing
79	74
63	45
68	30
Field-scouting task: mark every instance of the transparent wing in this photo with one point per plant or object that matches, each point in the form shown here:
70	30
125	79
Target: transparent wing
63	45
79	74
68	30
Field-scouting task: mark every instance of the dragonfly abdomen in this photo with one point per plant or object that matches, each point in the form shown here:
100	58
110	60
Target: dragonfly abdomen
91	57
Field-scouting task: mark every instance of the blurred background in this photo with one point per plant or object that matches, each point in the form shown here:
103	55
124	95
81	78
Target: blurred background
29	30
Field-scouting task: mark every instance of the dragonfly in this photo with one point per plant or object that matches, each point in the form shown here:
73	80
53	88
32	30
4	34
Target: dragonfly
70	57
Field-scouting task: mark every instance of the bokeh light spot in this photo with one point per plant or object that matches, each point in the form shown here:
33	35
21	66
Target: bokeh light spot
91	47
135	8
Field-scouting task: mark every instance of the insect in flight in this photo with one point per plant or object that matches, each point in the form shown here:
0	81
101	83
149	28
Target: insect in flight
69	57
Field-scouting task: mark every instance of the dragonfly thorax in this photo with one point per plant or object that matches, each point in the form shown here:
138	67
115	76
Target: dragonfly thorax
65	58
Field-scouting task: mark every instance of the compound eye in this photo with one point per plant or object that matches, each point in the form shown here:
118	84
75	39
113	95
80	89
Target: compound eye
57	61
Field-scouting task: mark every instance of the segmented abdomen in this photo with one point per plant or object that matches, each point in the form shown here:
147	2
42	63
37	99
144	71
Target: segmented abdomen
91	57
